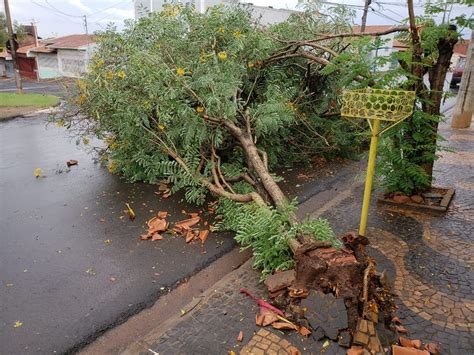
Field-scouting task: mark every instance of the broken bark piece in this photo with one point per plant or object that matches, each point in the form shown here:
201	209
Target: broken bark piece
190	236
71	162
280	280
400	350
268	316
432	348
284	325
156	236
162	214
401	329
298	292
259	319
304	331
187	223
203	235
356	351
409	343
240	337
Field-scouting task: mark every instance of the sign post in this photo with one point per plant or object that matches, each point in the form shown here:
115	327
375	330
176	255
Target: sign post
376	105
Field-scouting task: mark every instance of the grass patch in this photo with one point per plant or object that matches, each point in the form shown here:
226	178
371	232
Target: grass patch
8	99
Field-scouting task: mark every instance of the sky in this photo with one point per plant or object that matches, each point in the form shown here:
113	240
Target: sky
63	17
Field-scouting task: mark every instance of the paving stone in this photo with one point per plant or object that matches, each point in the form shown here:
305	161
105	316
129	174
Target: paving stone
326	312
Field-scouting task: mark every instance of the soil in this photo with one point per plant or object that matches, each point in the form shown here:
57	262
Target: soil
12	112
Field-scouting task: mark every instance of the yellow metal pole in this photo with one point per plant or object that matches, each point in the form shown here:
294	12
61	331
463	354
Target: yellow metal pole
370	177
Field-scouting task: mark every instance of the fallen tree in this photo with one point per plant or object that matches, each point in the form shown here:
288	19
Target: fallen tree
213	103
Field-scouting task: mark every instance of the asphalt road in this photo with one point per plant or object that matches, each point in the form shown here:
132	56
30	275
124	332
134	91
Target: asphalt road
71	263
49	87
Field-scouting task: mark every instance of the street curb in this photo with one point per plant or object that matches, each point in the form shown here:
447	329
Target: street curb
166	311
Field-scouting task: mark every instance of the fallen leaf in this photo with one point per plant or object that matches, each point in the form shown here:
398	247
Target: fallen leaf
156	236
304	331
71	162
240	337
38	172
102	220
162	214
145	236
131	212
17	324
107	241
203	235
231	352
187	223
284	325
166	195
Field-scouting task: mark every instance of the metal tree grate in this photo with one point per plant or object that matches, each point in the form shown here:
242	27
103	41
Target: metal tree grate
381	104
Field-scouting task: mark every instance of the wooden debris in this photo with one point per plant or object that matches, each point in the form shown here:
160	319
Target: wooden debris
240	337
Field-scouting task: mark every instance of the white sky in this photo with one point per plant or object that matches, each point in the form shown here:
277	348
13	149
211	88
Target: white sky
63	17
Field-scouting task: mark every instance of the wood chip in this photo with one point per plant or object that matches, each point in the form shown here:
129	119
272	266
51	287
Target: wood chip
240	336
156	236
259	319
203	235
162	214
304	331
284	325
188	222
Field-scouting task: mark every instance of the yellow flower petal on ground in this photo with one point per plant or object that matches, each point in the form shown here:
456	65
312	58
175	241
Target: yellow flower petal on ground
200	109
38	172
121	74
222	55
161	127
17	324
85	140
250	64
221	30
237	34
180	71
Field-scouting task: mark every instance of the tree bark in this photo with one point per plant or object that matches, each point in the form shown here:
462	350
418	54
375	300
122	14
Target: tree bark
464	109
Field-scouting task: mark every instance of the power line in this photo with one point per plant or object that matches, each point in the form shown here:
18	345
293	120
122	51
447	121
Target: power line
61	12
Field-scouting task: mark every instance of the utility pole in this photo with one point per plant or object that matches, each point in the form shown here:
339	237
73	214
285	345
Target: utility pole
85	24
364	15
19	88
464	108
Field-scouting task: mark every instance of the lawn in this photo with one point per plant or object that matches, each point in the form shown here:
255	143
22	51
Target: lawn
31	100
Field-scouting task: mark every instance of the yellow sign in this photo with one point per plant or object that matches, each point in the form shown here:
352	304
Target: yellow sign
376	105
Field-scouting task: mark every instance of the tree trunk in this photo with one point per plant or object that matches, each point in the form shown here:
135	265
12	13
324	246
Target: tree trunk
464	109
437	77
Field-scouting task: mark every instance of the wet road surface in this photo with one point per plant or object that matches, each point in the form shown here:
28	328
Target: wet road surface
71	262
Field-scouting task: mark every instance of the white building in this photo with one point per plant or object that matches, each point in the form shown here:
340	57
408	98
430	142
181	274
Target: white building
266	15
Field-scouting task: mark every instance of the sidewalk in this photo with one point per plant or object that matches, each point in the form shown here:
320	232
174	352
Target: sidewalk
429	259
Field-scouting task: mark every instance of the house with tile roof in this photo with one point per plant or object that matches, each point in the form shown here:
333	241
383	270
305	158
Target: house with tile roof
66	56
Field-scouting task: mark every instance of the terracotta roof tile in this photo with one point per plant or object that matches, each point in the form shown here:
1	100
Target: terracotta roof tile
71	42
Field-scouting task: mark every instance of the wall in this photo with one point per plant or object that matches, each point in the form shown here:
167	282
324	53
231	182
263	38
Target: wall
48	66
72	62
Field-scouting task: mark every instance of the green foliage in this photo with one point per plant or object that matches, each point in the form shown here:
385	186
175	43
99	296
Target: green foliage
267	231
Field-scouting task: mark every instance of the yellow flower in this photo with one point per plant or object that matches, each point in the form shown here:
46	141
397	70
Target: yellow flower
112	166
161	127
17	324
100	63
85	140
38	172
237	34
221	30
180	71
222	55
121	74
200	109
250	64
291	106
81	99
109	75
60	123
81	84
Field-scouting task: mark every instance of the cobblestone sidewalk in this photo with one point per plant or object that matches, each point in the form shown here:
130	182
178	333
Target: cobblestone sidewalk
429	258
